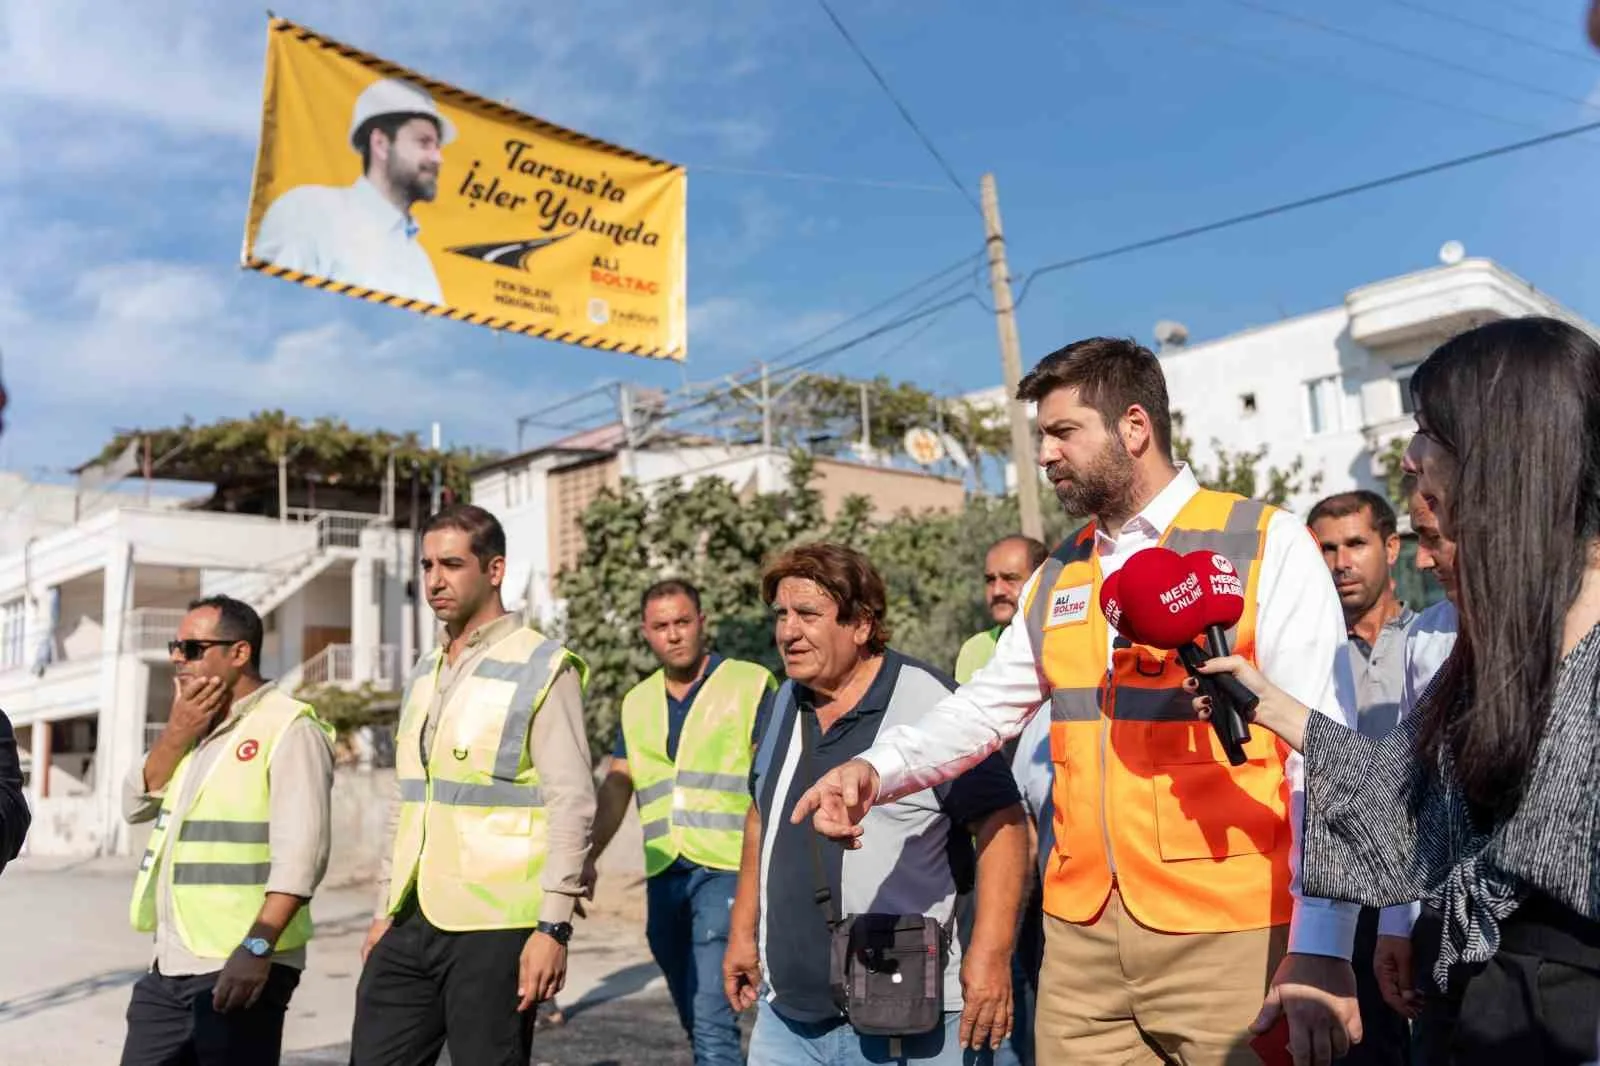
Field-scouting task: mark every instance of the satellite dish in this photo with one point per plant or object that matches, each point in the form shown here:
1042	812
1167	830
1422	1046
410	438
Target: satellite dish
1452	252
923	445
955	451
1171	334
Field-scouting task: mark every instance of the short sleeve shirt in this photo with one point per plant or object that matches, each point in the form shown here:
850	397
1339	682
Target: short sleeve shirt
919	854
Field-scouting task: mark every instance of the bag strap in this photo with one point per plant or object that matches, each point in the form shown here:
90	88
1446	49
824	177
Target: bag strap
823	895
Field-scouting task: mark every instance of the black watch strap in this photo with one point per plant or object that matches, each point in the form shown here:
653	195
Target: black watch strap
560	932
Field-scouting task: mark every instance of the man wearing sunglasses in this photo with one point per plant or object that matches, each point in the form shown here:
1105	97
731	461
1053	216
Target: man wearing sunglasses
239	786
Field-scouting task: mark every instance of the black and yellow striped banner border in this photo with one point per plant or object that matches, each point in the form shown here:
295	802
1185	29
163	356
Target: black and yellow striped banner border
455	314
462	98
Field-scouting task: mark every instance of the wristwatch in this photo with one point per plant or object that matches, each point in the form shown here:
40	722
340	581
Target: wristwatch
260	947
560	932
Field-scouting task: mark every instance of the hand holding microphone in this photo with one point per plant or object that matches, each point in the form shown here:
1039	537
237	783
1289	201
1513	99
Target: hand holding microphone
1160	600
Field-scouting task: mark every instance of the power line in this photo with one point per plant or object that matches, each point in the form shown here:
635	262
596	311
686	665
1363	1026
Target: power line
875	308
1495	31
904	320
821	179
1309	201
905	114
1412	53
1534	11
1101	9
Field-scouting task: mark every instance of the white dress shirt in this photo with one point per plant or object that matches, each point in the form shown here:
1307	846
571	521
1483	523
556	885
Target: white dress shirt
1299	629
348	233
1428	643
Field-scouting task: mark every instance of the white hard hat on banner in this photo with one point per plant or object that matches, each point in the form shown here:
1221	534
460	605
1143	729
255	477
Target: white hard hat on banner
390	96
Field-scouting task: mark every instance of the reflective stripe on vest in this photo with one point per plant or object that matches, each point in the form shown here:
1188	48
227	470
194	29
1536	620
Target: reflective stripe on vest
472	833
1141	786
220	849
694	806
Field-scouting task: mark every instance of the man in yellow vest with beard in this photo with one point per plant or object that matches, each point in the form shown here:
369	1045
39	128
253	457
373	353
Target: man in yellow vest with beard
238	785
683	754
490	823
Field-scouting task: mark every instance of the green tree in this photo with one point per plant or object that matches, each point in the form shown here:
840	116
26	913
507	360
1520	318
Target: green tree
1239	471
931	563
240	455
1390	458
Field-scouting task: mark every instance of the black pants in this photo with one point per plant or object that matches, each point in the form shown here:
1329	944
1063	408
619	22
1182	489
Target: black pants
1386	1036
171	1023
1538	999
424	987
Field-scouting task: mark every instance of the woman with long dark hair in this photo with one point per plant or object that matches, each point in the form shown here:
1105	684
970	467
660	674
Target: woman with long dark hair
1485	802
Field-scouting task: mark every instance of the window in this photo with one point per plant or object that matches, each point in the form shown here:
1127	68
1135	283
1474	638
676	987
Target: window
13	640
1324	398
1402	378
1247	403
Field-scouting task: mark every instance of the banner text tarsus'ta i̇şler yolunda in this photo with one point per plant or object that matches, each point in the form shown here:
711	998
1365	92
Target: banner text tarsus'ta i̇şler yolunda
376	182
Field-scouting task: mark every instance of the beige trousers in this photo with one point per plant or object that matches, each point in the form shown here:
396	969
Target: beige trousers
1114	992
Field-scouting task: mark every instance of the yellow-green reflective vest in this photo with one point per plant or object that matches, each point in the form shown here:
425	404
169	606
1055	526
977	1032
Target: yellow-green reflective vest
694	807
221	848
472	832
976	653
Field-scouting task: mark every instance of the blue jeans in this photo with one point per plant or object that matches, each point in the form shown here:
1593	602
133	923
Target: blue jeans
780	1041
687	929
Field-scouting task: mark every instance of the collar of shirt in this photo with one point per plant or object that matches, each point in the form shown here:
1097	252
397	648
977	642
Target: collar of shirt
487	633
238	709
378	206
1401	620
1146	527
713	660
874	701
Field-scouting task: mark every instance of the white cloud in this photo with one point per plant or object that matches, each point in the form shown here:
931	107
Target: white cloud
126	138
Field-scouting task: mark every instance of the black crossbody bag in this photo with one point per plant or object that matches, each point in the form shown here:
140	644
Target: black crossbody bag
885	971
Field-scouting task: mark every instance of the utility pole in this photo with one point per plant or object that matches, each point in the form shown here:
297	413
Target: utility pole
1005	314
438	485
866	426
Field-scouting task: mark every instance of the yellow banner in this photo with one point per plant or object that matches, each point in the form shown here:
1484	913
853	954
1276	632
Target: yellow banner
374	181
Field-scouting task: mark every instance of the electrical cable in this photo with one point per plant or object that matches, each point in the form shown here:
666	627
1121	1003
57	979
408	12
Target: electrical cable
1101	9
904	113
1495	31
1308	201
828	179
1412	53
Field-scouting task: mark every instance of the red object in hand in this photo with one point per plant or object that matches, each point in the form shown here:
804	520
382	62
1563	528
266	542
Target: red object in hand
1272	1046
1221	588
1162	599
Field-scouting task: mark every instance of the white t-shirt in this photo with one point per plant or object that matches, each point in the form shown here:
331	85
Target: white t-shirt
348	233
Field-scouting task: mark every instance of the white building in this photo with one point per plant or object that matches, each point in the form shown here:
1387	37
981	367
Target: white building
86	612
1330	387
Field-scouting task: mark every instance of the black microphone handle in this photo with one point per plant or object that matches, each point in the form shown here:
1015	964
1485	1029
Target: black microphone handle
1226	719
1243	698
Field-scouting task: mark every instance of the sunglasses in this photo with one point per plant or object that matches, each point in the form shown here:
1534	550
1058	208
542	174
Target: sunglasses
193	649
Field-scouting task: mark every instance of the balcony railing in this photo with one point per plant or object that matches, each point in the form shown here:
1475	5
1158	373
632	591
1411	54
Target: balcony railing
346	664
335	529
146	630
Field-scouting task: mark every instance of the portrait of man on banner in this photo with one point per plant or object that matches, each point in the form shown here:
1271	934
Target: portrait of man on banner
364	233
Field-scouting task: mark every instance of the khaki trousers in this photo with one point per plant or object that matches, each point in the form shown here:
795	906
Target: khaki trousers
1114	992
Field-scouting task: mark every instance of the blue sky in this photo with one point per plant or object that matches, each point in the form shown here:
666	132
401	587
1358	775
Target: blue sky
127	138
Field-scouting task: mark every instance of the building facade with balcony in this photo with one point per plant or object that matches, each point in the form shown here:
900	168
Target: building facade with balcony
1332	387
86	613
540	495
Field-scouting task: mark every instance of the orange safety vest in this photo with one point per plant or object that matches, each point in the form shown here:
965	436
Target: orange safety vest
1141	785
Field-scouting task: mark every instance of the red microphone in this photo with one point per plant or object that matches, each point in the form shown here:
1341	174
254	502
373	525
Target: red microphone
1164	603
1222	596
